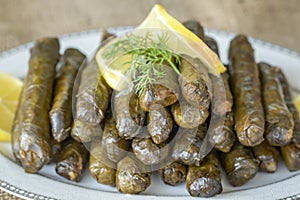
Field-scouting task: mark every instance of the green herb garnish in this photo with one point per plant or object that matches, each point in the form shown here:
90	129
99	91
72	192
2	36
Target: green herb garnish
148	57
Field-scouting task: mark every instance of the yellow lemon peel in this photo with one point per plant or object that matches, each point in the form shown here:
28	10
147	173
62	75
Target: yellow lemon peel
10	89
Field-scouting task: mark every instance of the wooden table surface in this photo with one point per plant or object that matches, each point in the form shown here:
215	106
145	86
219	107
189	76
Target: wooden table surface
23	21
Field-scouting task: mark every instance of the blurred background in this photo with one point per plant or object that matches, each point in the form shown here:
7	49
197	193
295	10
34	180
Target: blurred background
22	21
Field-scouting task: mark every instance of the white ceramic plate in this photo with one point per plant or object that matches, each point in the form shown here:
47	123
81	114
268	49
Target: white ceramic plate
47	185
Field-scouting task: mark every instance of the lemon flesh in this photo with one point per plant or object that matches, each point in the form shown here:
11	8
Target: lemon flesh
195	47
183	42
10	89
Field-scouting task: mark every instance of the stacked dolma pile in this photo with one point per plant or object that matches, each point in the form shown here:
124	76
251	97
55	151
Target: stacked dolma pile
180	126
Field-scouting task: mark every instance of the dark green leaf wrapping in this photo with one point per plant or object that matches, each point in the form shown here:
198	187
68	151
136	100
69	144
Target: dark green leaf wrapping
160	124
61	111
148	152
31	139
93	95
131	177
72	161
291	156
205	180
173	173
163	92
92	100
101	168
114	146
188	145
194	83
84	132
128	114
194	80
239	164
290	104
222	100
221	132
279	120
267	155
187	115
245	83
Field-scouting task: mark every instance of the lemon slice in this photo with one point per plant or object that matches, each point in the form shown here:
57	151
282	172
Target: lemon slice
195	47
297	103
183	42
10	89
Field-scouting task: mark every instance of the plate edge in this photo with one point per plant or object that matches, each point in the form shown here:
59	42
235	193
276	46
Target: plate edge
18	192
5	186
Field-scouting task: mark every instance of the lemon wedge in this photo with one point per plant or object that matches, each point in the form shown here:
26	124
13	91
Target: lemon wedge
10	89
183	42
297	103
195	47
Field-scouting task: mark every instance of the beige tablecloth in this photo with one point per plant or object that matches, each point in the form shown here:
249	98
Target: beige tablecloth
6	196
22	21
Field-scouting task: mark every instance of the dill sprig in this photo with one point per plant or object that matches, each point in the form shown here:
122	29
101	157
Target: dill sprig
148	57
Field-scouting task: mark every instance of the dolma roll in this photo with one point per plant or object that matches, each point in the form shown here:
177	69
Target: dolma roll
92	90
194	83
291	156
290	104
205	180
221	132
197	29
187	146
131	177
61	111
128	114
31	136
85	132
92	100
222	135
194	80
222	100
245	83
112	143
101	168
267	155
148	152
160	124
187	115
279	120
173	173
72	161
164	91
194	88
239	164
